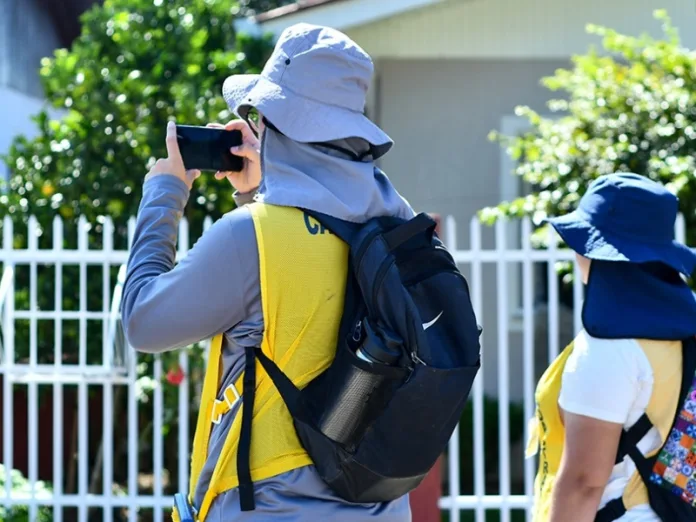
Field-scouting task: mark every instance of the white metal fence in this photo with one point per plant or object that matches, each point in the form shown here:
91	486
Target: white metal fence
112	467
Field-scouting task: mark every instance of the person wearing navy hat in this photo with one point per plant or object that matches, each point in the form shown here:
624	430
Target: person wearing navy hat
610	398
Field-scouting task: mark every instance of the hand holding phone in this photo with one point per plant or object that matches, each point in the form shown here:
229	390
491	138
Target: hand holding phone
249	178
173	164
208	148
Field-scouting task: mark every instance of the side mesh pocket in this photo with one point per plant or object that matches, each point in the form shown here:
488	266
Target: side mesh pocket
348	397
414	429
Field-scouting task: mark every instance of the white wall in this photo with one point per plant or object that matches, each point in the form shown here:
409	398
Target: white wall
526	29
16	110
27	34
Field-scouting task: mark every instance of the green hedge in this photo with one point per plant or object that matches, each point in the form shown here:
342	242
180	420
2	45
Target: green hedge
491	441
20	486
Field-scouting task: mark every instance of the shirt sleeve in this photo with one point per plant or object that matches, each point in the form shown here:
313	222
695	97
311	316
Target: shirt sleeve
602	378
208	292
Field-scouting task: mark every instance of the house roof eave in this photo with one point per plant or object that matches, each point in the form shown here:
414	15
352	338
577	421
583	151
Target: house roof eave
339	14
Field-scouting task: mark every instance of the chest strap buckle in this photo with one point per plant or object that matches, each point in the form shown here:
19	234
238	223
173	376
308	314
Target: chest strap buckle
221	407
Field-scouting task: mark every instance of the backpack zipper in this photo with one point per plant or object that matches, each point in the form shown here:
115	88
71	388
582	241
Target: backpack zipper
364	245
381	274
379	279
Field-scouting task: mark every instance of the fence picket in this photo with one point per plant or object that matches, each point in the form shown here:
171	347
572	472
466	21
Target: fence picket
157	456
8	360
553	295
184	448
528	351
107	444
58	358
453	448
503	369
479	443
32	395
82	420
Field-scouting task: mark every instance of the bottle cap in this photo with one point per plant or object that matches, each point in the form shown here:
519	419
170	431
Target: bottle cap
382	345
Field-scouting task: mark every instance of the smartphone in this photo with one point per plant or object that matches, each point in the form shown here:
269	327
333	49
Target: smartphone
206	148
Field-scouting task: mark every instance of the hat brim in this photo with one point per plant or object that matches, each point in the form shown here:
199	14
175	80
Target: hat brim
588	241
300	118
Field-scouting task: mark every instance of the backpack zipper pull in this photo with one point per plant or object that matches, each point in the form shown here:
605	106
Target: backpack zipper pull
357	332
416	359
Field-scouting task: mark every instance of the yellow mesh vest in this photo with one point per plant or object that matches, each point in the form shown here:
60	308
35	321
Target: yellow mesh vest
547	432
303	270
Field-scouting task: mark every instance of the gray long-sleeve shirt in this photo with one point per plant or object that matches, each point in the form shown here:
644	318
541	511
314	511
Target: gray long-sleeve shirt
212	290
215	289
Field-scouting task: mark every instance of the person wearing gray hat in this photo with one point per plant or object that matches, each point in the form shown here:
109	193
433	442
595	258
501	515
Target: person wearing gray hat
312	148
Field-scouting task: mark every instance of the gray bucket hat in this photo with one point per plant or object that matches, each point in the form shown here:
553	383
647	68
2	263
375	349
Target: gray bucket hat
312	89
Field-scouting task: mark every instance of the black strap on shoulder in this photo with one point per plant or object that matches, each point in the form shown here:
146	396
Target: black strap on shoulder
417	225
287	389
246	486
345	230
688	367
633	436
612	510
290	394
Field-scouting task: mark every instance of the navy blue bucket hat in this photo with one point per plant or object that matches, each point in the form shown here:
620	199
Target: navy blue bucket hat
626	217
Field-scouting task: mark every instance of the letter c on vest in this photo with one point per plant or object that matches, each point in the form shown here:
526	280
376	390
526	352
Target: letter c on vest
311	228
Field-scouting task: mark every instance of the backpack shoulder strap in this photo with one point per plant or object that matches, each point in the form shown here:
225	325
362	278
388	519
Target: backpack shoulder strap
631	437
411	228
246	486
345	230
399	231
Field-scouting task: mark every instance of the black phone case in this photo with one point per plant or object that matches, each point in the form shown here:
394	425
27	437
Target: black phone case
206	148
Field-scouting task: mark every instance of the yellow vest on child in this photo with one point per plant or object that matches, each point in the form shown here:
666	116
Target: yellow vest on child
547	432
303	271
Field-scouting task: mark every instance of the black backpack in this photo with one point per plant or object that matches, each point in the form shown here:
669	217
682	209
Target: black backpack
373	430
670	501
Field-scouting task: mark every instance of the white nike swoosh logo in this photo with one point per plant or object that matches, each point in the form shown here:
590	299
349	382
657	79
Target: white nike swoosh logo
428	325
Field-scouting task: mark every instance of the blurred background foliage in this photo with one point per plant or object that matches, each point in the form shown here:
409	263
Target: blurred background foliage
136	65
631	106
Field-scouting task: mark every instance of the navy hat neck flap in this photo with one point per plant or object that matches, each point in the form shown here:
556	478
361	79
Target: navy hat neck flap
638	301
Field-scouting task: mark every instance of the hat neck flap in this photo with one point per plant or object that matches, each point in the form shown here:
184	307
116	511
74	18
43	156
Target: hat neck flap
323	178
638	301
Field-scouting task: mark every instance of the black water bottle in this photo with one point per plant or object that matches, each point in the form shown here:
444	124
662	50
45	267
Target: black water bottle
346	415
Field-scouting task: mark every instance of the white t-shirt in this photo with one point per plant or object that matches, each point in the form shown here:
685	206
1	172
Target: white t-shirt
612	380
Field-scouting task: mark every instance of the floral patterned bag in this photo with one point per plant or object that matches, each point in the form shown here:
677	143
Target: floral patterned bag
675	467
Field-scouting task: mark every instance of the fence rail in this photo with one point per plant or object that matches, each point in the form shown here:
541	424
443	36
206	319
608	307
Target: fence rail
121	437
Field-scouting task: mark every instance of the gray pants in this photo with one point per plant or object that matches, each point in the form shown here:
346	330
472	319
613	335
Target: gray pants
301	495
